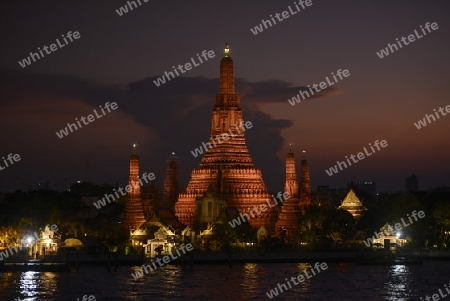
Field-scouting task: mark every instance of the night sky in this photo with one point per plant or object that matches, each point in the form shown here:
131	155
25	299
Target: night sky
117	58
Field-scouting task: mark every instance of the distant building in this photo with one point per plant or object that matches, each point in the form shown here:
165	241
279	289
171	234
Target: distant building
337	194
368	187
322	197
411	183
388	237
327	197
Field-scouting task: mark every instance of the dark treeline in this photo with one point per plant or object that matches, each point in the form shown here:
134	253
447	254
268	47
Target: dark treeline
23	213
328	227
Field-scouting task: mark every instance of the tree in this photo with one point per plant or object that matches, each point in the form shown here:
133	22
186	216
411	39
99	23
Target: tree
311	225
9	236
441	215
340	226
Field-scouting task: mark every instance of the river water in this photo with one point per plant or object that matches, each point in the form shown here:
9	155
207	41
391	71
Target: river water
341	281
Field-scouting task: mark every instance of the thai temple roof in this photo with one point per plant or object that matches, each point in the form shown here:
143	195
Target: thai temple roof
352	203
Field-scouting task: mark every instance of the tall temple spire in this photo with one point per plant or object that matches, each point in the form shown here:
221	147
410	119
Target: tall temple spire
305	184
133	216
227	120
226	73
226	51
290	183
226	167
290	212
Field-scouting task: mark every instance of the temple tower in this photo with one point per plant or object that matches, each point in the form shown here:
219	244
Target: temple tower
171	183
291	183
290	211
227	163
133	216
305	184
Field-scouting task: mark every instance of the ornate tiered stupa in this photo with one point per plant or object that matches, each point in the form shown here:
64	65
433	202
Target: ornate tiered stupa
133	216
227	165
290	211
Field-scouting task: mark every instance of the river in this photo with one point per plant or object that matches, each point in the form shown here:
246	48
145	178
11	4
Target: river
341	281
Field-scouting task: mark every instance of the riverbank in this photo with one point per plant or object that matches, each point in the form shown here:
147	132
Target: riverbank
196	257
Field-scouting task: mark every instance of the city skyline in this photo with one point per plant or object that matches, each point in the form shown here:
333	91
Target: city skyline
381	99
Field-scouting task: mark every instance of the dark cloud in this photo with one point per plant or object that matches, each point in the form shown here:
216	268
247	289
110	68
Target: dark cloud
276	91
173	117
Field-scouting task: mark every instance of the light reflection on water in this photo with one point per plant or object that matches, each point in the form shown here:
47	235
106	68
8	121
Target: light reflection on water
251	277
397	283
343	281
29	285
304	286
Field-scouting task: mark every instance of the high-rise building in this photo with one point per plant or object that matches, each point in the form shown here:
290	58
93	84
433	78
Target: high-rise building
323	197
367	187
133	216
227	164
412	183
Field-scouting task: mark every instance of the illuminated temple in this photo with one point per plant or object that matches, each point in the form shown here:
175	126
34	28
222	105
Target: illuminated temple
227	168
133	216
225	182
290	211
300	197
352	204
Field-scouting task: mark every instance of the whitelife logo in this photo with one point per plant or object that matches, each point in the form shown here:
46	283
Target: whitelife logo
360	156
4	254
87	298
12	250
27	61
411	38
166	259
91	118
124	9
397	226
162	80
323	85
436	297
110	198
274	292
284	15
423	122
199	151
262	208
11	158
